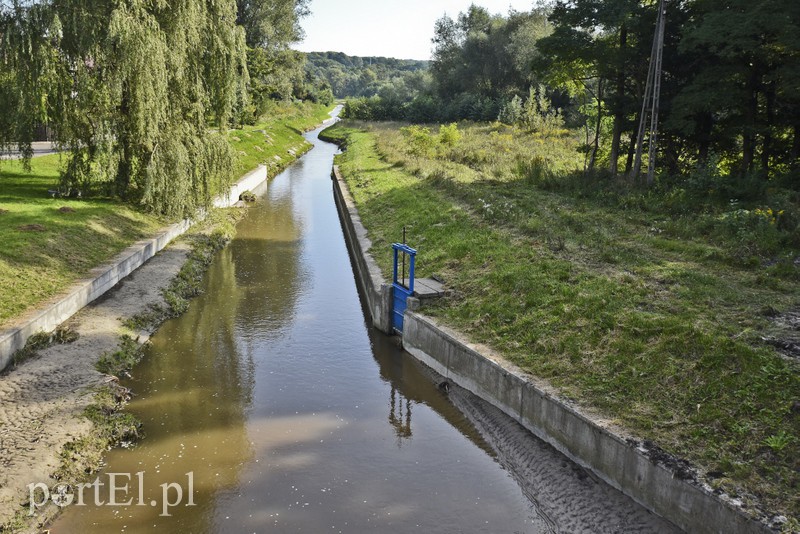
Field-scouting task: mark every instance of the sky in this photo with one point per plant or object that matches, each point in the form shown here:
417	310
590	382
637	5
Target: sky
392	28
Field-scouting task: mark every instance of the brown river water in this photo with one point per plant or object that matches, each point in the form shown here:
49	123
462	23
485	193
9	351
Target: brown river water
271	406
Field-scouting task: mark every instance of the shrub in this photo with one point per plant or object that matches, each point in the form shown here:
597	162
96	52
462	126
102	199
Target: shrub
419	141
449	135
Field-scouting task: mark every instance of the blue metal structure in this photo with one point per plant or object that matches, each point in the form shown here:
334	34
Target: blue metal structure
401	291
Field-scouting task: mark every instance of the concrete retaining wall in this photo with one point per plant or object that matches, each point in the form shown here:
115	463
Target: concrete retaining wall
622	465
368	275
249	182
104	278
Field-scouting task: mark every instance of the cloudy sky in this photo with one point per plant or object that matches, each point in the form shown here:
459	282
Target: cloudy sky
391	28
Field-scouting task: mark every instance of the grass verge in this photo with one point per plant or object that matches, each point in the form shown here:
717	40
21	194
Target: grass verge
276	142
628	308
49	243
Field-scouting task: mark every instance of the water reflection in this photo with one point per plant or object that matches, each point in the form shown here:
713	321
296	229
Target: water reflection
268	271
400	415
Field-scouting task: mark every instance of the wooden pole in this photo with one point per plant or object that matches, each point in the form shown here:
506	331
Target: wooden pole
662	20
650	99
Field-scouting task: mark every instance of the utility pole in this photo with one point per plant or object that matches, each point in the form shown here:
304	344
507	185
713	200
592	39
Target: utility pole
651	100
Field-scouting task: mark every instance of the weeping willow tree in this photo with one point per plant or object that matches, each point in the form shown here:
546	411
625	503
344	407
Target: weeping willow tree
136	91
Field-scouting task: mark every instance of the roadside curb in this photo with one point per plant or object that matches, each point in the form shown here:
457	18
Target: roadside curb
105	277
623	464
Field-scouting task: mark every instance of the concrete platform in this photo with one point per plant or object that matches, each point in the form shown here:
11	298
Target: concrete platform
428	288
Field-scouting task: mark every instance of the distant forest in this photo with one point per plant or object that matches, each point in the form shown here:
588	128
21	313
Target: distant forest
352	76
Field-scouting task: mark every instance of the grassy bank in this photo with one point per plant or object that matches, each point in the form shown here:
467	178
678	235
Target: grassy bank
652	312
270	141
50	243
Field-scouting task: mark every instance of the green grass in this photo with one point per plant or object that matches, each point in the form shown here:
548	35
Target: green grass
70	236
658	331
50	243
270	141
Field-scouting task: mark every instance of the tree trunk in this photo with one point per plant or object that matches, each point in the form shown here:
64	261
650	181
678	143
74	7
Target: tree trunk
619	104
615	141
596	146
766	149
749	135
672	152
705	126
632	146
631	152
125	167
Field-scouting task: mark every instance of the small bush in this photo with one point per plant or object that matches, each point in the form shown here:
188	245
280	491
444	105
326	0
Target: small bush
449	136
419	141
535	170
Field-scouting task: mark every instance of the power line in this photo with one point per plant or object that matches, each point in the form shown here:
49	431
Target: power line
651	100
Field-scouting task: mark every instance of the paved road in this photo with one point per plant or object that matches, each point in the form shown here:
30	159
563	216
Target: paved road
40	148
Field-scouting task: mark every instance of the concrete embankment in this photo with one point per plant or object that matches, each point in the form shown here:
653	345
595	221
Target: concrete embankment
103	278
644	474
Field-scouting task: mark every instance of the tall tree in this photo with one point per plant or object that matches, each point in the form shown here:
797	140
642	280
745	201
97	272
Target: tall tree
272	24
747	88
599	40
487	57
130	88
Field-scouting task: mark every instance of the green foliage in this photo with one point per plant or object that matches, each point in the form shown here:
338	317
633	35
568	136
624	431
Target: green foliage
122	360
449	136
486	55
512	112
352	76
111	427
273	75
41	340
419	141
275	72
778	442
536	113
128	89
271	25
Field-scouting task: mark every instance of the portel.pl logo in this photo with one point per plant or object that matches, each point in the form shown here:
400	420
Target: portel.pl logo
115	492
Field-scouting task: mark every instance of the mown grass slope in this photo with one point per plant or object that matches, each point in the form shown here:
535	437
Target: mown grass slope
48	243
270	141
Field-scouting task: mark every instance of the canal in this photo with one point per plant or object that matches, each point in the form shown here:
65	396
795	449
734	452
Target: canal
271	406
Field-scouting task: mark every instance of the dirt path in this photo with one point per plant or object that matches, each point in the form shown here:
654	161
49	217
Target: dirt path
42	401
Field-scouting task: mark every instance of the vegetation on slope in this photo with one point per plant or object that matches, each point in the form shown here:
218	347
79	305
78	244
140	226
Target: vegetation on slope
650	306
